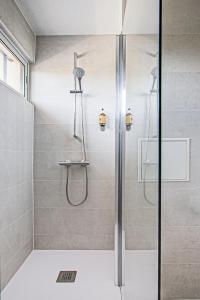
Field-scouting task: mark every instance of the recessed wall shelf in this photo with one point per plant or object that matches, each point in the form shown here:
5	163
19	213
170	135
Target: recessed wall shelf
176	162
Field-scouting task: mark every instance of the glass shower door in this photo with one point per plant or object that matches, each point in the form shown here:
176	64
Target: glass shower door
137	158
141	169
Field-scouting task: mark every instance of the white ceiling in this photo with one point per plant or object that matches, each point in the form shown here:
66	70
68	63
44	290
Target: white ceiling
77	17
141	17
71	17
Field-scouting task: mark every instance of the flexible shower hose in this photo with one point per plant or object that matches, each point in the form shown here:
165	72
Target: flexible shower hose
84	154
86	188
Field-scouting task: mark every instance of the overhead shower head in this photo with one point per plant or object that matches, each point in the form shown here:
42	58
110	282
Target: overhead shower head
79	73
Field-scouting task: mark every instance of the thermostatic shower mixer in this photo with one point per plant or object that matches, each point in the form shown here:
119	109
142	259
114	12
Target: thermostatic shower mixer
69	163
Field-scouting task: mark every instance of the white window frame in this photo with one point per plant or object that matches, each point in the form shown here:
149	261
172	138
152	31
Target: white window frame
16	52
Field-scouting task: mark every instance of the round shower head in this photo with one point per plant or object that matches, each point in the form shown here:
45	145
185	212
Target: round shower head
78	72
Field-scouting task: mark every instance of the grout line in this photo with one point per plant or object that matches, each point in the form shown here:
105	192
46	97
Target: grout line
180	226
74	209
189	263
73	180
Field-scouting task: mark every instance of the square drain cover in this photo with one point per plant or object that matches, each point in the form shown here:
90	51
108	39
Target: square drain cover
66	276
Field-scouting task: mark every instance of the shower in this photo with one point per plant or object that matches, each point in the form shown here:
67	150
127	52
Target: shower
78	75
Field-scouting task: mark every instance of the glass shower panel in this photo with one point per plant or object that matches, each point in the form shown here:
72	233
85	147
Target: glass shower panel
141	174
140	214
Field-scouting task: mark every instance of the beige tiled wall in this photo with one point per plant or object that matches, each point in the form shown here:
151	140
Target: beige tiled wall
181	110
57	224
16	201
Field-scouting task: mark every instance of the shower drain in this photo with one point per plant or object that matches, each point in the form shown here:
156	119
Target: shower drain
66	276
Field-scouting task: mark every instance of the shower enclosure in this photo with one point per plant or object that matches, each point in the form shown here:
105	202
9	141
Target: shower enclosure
151	48
100	162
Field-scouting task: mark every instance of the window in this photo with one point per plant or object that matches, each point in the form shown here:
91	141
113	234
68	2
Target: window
13	67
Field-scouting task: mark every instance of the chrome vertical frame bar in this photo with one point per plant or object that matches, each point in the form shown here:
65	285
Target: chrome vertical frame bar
124	3
120	158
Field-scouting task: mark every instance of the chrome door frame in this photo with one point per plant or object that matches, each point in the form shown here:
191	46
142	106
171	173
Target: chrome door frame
120	132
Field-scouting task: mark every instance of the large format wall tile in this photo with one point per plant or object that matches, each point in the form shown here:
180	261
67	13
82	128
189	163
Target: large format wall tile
141	237
74	229
80	221
135	197
183	94
180	119
15	262
15	236
59	137
181	16
75	241
181	245
52	109
181	53
15	201
180	281
49	193
180	206
47	168
57	224
16	186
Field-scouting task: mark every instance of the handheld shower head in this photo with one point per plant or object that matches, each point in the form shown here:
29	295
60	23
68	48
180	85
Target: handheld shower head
79	73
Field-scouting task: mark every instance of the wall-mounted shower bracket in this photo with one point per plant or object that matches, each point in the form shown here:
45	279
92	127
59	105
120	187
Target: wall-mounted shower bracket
68	163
